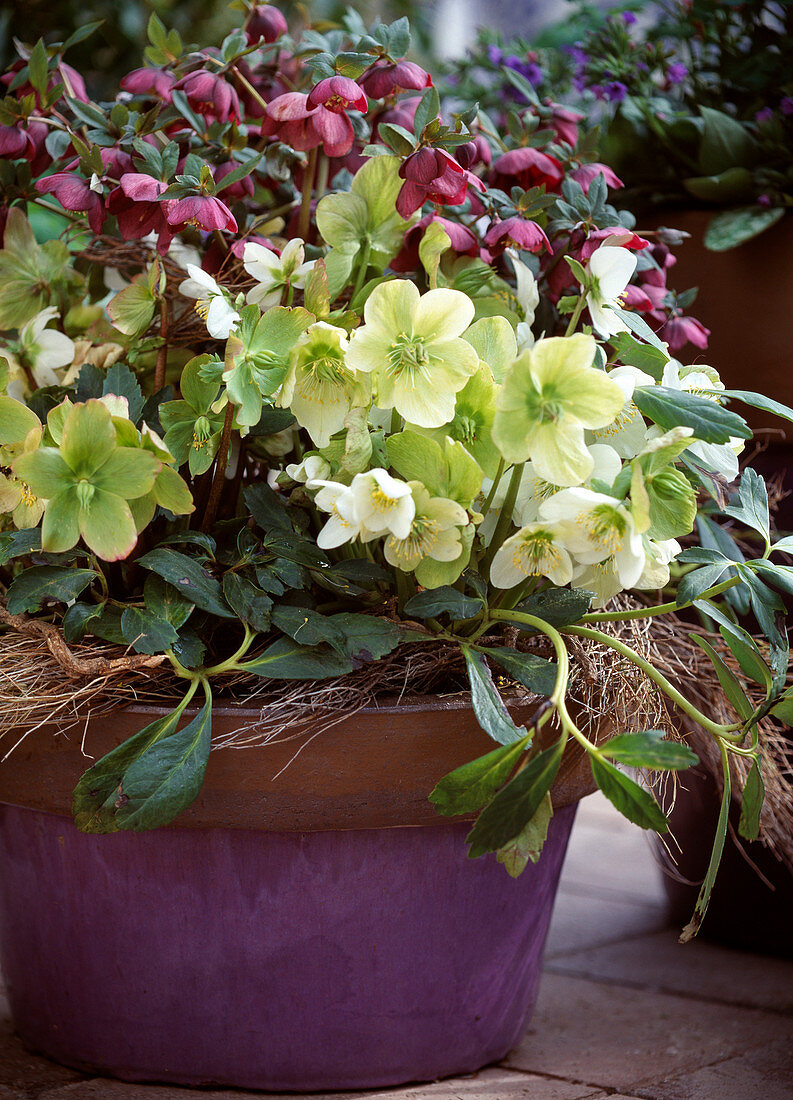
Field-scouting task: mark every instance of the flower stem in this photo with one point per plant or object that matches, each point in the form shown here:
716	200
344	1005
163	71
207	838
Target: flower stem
362	268
657	609
576	314
162	351
304	217
716	729
505	518
493	488
220	471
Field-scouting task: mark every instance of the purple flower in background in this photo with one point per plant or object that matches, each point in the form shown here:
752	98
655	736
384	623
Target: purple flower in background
763	200
642	67
628	17
677	73
616	91
786	105
765	115
494	55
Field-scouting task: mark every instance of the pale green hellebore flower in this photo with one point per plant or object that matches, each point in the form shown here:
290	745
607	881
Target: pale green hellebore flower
551	394
411	345
319	388
537	550
434	532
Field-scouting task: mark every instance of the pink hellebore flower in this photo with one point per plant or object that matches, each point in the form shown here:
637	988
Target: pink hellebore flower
241	189
463	242
135	205
615	235
290	118
565	123
528	168
516	232
430	175
75	193
386	78
586	174
149	82
637	299
679	330
204	211
15	143
337	94
209	94
265	22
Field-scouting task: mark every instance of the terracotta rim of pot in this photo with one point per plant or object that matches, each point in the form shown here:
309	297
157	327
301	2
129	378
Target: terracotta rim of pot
372	769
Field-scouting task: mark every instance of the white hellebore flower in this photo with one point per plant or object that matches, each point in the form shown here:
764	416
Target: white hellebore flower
611	268
528	296
343	525
537	550
44	350
434	532
273	272
656	569
597	527
212	305
312	468
700	380
383	504
627	432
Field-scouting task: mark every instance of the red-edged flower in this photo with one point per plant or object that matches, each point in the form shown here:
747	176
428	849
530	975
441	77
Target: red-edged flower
565	123
614	234
76	194
337	94
636	299
293	121
386	78
265	22
401	114
210	95
518	233
681	330
116	162
463	242
430	175
241	189
155	83
586	174
204	211
528	168
135	205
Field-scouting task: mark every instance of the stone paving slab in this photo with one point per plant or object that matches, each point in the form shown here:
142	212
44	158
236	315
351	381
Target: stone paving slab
618	1038
766	1072
698	969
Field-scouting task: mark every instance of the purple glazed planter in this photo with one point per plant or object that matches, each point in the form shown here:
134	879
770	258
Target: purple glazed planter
284	961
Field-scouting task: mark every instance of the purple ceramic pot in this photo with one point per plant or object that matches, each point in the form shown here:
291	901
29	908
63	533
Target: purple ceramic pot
284	961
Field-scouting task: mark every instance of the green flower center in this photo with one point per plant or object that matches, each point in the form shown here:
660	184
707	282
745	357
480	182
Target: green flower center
535	554
604	526
201	433
408	356
85	492
466	427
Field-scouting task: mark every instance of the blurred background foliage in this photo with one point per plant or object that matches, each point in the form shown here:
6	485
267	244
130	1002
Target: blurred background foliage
117	45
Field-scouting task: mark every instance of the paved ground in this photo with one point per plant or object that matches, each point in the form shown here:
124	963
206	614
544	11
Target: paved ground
624	1012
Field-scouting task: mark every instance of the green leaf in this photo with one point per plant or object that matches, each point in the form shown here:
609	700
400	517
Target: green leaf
744	649
528	844
698	581
732	227
267	508
725	143
365	638
730	684
733	185
29	590
491	714
538	674
146	632
635	354
38	70
167	777
637	324
78	619
631	800
307	627
121	381
648	749
132	309
428	109
471	786
558	606
433	244
516	804
249	603
16	420
760	401
437	601
752	803
287	660
190	578
753	504
18	544
670	408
